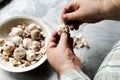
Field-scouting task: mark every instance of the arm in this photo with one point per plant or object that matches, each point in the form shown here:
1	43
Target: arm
77	12
61	57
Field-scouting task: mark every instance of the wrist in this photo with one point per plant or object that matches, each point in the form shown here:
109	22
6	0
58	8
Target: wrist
68	67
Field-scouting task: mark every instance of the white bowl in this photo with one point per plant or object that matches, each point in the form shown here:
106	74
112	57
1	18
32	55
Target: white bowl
5	28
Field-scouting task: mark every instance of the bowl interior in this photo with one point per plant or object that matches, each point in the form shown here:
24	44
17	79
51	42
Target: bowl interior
5	29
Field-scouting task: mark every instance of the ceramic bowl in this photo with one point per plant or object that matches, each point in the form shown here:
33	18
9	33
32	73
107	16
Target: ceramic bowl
5	28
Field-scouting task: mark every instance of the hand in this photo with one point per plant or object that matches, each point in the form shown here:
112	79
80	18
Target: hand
77	12
60	53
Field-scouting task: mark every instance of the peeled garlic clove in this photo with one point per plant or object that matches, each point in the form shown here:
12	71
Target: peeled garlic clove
19	53
30	55
8	46
2	41
16	31
36	46
35	34
27	42
17	40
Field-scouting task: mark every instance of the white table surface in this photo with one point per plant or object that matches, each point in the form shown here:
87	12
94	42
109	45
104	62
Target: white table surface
100	36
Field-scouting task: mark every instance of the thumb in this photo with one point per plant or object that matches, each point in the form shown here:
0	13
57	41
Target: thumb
63	42
71	16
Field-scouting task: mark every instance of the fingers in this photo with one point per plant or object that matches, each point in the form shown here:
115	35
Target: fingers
71	16
63	42
52	40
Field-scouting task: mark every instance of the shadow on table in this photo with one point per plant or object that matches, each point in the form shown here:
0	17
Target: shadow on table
43	72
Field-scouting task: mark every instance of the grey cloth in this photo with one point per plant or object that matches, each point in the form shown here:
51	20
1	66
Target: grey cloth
100	36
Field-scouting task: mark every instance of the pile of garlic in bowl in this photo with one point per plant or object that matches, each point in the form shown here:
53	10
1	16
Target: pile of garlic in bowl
24	44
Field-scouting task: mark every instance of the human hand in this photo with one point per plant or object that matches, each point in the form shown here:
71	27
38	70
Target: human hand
60	53
77	12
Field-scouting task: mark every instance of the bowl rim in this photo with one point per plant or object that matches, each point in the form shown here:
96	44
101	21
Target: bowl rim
42	60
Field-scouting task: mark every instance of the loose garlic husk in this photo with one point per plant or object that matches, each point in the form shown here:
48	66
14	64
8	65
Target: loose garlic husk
36	46
17	40
30	55
35	34
2	41
16	31
8	47
27	43
19	53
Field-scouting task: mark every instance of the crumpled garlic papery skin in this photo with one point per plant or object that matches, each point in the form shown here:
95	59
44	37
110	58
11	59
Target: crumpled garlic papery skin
17	40
63	29
36	46
35	34
16	31
27	42
8	47
19	53
2	41
30	55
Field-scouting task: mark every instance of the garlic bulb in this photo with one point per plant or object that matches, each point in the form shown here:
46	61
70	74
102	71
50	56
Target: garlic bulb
35	34
19	53
17	40
27	43
8	47
16	31
30	55
35	46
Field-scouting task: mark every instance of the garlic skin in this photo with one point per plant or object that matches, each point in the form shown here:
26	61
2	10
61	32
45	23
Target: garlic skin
36	46
35	34
8	47
17	40
2	41
30	55
27	43
19	53
16	31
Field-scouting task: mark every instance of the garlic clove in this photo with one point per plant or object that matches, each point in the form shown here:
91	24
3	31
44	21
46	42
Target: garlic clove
16	31
8	46
17	40
27	42
63	29
36	46
35	34
19	53
29	28
30	55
